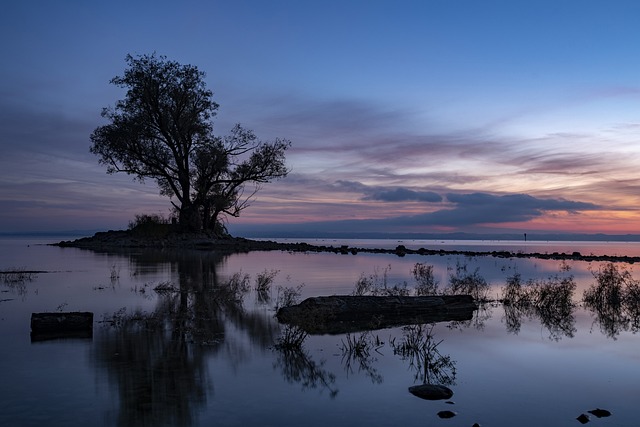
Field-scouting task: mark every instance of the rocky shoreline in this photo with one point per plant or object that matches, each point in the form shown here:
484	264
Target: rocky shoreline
123	239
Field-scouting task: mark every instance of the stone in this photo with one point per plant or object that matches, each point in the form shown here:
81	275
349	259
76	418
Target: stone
446	414
600	413
431	391
583	418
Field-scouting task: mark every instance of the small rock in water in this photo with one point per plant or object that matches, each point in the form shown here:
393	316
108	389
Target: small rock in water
600	413
446	414
475	425
431	391
450	402
583	419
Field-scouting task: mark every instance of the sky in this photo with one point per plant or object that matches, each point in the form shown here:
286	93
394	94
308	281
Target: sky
404	116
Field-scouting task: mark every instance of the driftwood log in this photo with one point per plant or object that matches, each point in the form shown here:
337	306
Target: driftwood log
76	324
346	313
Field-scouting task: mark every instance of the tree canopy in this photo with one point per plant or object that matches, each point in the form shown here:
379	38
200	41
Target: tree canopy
163	130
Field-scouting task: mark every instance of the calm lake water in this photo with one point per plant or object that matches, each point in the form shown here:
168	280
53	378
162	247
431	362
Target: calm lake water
171	346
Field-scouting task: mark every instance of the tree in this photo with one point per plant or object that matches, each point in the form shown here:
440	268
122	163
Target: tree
163	130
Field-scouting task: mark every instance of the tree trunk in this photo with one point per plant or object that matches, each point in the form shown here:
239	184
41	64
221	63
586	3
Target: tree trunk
206	217
190	221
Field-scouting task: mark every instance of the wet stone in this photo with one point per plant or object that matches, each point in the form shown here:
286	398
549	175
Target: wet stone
431	391
446	414
583	419
600	413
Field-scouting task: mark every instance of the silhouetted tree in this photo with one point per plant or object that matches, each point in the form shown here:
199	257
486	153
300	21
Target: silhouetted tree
163	130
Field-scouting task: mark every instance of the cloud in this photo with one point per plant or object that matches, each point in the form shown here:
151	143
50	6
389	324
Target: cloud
357	140
404	195
483	208
340	145
470	210
522	202
389	194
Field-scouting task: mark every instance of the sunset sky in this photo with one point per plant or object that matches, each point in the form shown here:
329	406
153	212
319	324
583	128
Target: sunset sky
405	116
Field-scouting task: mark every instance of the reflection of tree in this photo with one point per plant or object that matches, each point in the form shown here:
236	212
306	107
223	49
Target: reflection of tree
420	348
551	301
157	360
357	352
615	300
160	379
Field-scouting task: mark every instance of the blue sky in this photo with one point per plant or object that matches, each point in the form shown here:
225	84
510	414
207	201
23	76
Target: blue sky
405	116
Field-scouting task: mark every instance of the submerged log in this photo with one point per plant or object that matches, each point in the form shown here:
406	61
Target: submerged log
55	324
346	313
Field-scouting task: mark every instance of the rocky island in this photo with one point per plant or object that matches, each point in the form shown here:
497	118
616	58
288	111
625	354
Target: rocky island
135	239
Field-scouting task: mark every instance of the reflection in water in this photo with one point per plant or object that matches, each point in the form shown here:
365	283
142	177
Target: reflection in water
160	379
420	348
291	338
263	284
169	365
293	360
16	280
549	300
157	360
357	351
297	366
463	282
482	314
614	300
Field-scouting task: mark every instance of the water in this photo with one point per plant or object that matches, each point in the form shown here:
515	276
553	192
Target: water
205	359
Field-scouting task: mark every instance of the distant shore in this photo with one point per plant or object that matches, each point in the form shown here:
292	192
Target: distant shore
201	241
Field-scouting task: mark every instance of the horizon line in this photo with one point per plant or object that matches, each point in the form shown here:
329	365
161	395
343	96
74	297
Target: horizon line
512	236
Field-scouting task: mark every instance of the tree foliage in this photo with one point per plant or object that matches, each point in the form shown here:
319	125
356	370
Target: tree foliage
163	130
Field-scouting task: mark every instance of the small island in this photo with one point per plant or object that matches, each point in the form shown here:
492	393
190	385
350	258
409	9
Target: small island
168	236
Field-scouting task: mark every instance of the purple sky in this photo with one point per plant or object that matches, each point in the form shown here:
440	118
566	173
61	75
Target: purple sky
405	116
